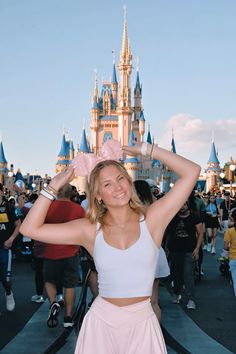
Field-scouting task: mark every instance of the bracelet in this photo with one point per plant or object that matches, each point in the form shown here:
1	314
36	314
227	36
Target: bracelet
52	189
46	194
144	149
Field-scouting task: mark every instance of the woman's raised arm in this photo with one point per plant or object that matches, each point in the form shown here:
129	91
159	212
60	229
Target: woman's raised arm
161	212
74	232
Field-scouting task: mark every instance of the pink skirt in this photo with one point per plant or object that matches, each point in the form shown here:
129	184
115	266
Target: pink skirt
110	329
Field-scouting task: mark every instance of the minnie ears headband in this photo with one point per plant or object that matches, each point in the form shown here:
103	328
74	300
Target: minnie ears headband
84	163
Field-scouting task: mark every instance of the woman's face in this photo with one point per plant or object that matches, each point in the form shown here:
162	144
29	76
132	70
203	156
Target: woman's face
113	187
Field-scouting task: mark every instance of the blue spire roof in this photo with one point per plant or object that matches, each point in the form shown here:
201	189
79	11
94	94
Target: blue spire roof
114	79
173	148
2	155
138	88
65	145
95	102
131	138
142	116
83	144
149	138
213	155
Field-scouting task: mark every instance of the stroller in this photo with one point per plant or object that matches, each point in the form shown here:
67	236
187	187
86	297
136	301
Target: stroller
224	263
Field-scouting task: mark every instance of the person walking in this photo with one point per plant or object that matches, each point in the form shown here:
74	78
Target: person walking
212	224
184	242
60	261
9	230
124	239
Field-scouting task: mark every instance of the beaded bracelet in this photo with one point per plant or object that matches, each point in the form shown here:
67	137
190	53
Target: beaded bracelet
47	193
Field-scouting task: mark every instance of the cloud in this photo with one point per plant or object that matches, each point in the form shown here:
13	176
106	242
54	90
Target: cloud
193	137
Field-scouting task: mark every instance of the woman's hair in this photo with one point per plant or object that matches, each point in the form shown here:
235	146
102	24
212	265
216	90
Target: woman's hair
144	192
97	210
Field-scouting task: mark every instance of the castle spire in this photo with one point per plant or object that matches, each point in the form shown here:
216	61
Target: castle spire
2	155
95	92
213	159
125	48
149	138
173	148
83	143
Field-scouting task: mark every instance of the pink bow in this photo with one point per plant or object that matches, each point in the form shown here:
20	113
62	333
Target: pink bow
85	163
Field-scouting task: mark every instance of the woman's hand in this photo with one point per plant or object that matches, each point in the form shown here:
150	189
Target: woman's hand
132	150
66	176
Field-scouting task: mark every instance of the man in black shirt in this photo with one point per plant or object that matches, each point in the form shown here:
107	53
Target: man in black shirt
184	242
225	206
9	229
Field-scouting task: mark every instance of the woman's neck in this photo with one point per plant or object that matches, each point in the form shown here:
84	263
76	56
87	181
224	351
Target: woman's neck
119	216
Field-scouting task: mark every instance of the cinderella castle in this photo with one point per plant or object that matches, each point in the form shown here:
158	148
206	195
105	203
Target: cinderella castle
117	113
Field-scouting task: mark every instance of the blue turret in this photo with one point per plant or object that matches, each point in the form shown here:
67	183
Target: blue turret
141	117
65	146
2	155
173	148
114	78
149	138
138	87
83	143
213	155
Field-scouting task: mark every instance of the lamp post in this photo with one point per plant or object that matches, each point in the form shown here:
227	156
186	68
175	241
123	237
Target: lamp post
232	168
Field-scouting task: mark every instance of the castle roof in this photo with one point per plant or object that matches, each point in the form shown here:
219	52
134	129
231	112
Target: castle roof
142	116
65	146
2	155
149	138
138	88
83	143
114	78
213	155
173	148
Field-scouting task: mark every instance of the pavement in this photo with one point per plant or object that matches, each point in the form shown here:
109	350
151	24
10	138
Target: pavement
210	329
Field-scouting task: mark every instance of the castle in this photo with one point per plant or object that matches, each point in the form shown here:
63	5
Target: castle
114	116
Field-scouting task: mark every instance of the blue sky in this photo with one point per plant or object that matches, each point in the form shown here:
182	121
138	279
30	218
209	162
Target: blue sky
50	48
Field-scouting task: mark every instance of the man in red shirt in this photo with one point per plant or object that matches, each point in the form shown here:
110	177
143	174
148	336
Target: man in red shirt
60	262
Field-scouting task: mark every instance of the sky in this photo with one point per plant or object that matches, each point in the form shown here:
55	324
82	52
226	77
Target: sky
50	48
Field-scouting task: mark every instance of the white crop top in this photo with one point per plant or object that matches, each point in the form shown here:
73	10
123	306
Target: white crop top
126	273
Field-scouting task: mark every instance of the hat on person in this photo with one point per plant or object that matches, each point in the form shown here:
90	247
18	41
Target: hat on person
227	194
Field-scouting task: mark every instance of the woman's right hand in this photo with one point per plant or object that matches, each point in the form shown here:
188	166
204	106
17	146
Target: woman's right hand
66	176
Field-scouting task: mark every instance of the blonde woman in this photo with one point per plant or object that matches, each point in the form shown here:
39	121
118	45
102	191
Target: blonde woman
124	240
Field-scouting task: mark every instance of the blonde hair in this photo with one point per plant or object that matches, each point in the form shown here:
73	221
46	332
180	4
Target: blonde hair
97	210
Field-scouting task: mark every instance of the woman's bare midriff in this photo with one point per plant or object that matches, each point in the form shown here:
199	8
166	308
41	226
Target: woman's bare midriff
126	301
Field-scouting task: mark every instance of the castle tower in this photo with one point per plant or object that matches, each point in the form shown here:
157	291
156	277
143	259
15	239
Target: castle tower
138	124
3	164
64	155
124	96
95	116
173	148
84	147
114	83
213	168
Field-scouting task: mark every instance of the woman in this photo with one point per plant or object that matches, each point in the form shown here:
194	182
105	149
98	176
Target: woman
212	224
124	245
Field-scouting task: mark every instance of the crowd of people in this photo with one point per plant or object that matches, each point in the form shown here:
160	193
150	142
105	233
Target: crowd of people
165	239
